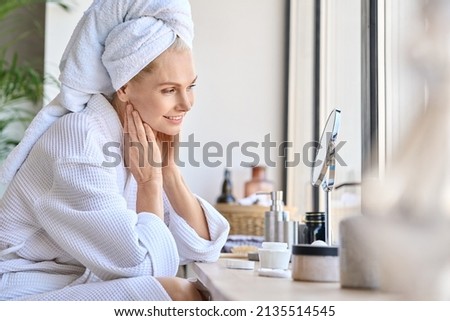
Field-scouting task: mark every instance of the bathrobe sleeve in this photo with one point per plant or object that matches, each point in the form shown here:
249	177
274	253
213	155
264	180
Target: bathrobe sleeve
191	247
85	215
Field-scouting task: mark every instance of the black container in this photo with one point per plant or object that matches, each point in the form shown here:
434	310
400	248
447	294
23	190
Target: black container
227	189
315	227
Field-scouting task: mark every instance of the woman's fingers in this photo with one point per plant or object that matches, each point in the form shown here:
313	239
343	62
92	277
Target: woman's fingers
126	137
129	122
133	125
154	152
173	155
149	132
139	127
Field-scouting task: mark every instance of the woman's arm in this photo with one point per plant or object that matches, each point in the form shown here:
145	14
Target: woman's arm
184	202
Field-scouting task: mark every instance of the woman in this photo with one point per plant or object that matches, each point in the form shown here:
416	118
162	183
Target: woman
74	227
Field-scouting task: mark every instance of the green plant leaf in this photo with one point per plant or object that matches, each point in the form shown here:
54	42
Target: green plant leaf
8	6
20	82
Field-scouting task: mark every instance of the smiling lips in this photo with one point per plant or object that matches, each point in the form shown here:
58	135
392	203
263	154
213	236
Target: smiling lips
175	119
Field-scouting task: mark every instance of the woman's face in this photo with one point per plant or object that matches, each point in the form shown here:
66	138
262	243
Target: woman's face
164	96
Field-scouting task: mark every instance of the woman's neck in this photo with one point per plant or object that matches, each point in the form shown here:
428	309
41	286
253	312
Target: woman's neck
119	107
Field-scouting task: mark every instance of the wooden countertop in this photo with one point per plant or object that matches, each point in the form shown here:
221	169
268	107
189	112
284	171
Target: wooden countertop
246	285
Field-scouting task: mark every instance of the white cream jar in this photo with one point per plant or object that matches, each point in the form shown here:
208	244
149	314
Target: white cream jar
274	255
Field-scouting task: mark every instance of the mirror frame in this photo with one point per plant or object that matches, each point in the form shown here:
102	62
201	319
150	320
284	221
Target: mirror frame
327	143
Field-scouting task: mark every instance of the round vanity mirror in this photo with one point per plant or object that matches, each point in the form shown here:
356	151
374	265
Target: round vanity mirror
324	158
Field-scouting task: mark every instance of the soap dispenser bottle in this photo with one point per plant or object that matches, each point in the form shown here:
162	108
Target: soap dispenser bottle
274	217
277	227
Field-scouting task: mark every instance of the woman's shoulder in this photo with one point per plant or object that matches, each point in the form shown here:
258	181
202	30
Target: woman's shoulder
98	116
82	133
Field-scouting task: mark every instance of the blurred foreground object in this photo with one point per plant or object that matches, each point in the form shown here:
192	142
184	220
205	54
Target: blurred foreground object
401	245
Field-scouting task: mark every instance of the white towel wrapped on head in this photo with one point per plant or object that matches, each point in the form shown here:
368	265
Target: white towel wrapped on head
113	41
144	37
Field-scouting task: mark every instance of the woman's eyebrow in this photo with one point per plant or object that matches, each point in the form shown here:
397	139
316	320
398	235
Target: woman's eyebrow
175	83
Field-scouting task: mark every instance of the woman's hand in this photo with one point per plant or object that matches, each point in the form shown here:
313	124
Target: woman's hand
142	152
143	158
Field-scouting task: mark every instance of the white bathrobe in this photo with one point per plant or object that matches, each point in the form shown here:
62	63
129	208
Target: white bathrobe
68	224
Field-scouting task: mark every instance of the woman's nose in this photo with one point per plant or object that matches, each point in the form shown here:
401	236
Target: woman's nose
186	102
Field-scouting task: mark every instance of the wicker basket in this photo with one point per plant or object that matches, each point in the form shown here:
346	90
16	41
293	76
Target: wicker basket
247	220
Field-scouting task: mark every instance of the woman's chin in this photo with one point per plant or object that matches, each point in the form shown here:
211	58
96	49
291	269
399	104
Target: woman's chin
170	131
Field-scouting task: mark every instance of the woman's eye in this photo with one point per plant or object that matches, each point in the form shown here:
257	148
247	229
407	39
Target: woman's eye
168	91
191	87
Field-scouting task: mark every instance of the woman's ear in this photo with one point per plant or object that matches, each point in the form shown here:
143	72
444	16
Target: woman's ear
122	93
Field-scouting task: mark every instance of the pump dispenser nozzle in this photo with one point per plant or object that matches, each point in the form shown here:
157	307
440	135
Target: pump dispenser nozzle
276	198
277	201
